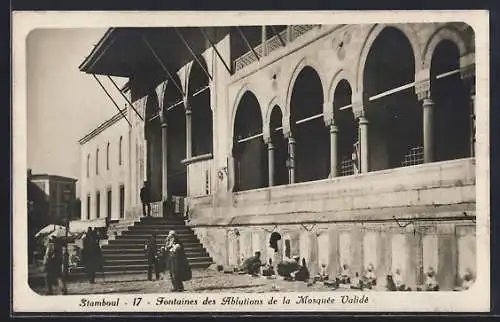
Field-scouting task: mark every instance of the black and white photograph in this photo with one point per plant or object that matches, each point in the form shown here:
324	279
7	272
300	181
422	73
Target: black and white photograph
232	161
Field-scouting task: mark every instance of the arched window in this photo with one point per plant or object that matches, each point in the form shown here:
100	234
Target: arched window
107	156
395	116
452	112
120	151
199	101
97	162
312	157
249	149
347	135
88	165
176	138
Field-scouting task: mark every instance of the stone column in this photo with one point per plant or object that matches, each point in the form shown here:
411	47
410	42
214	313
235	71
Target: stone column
333	150
363	133
270	157
289	33
428	120
189	114
164	159
313	254
291	158
423	91
264	41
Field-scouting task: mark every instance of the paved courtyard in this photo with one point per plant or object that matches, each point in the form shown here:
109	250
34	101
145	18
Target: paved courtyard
202	282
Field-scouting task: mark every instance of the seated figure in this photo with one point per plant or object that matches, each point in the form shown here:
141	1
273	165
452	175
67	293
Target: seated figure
431	283
370	279
345	275
398	280
288	266
252	264
303	273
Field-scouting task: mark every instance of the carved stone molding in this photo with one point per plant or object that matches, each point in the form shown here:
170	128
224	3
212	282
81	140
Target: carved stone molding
423	89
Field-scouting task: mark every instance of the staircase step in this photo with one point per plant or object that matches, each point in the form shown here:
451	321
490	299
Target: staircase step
144	261
140	250
144	268
132	245
143	235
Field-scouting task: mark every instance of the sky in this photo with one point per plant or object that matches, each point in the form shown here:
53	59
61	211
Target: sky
63	103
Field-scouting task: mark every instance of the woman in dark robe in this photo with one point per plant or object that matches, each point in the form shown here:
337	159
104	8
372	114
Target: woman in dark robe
179	266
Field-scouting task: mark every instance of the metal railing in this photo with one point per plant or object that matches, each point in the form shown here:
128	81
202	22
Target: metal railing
156	209
413	157
346	166
272	44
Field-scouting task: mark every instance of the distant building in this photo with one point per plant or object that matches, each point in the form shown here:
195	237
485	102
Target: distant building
104	187
47	201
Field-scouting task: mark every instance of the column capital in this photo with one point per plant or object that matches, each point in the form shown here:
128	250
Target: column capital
423	89
329	122
359	100
163	117
267	139
287	133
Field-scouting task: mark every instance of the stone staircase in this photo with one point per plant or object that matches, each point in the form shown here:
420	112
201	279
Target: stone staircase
124	254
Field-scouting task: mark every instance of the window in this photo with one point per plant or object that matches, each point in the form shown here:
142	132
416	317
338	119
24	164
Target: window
88	207
98	205
120	151
109	203
88	165
97	162
122	201
107	156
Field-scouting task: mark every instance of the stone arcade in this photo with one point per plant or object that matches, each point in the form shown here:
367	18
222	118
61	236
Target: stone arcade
355	143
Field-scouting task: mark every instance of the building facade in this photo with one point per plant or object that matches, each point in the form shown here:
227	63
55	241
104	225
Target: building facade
354	143
105	164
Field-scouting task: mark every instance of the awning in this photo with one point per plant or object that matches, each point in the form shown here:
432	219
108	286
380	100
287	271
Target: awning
122	52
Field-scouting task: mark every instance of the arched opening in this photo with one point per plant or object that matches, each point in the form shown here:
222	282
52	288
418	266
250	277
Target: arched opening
154	148
395	116
176	140
312	156
347	135
199	101
249	149
452	111
280	147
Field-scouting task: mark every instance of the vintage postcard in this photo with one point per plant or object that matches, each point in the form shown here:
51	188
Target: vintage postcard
251	161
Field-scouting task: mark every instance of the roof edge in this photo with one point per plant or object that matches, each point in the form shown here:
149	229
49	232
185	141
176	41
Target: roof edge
101	127
97	51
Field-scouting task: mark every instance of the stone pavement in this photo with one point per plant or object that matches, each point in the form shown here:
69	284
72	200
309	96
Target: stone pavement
202	282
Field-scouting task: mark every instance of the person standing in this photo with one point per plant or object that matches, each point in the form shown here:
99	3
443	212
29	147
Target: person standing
53	262
145	199
178	263
90	254
152	256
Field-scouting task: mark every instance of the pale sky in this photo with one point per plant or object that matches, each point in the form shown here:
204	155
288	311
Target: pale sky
64	104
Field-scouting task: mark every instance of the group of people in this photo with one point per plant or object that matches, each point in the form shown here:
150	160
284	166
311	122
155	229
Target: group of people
171	256
289	269
92	254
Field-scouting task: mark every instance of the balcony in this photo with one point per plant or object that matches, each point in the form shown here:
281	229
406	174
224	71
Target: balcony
288	35
432	189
